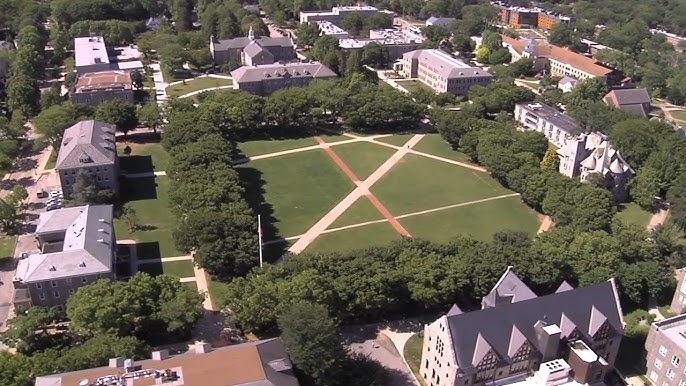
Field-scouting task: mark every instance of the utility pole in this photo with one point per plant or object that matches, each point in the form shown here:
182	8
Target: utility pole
259	235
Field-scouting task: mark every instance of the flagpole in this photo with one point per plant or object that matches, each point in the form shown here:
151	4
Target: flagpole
259	235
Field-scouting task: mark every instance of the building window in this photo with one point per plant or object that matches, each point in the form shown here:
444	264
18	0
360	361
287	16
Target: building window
60	308
682	382
57	294
53	283
71	291
663	351
658	363
83	279
39	286
670	374
41	296
676	360
426	364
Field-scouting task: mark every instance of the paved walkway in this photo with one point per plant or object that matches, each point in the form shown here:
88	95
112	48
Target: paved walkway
375	201
203	288
190	94
362	189
658	219
160	85
546	224
144	174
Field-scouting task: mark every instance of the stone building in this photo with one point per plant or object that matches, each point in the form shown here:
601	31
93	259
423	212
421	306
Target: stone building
442	72
252	50
265	79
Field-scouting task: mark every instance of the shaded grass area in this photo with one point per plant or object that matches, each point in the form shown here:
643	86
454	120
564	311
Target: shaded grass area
355	238
196	85
361	211
293	192
52	160
631	213
149	197
435	145
191	285
363	158
7	248
679	114
413	85
418	183
144	157
479	220
397	140
413	355
259	147
179	269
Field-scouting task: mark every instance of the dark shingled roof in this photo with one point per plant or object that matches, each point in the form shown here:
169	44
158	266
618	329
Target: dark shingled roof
242	42
631	96
586	307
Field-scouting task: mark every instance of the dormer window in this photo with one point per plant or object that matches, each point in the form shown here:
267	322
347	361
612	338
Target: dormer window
84	159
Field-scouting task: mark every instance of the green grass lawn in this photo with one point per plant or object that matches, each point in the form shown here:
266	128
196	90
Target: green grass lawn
6	248
679	114
191	285
480	220
363	158
149	198
412	85
332	138
253	148
633	214
52	160
434	144
361	211
413	355
417	183
355	238
294	190
397	140
196	84
144	157
179	269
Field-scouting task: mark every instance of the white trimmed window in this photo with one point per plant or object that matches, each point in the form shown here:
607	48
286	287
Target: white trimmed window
39	286
682	382
670	374
57	294
653	376
658	363
41	296
663	350
676	360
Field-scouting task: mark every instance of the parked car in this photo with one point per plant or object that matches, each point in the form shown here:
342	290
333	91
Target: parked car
56	193
42	194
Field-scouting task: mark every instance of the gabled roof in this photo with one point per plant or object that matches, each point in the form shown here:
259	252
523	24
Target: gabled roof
87	143
630	96
481	349
508	289
277	70
597	321
242	42
494	326
445	64
564	287
85	250
254	49
454	310
568	79
517	339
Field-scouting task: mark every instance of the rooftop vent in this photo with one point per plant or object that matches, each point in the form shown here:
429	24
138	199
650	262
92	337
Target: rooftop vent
101	220
160	355
53	268
82	264
202	348
101	241
116	362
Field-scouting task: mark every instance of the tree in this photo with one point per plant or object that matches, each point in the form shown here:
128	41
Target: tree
594	208
307	34
11	208
353	23
588	90
551	161
146	307
28	331
151	116
23	96
137	78
51	123
375	55
563	35
121	113
676	88
51	97
313	342
637	139
87	191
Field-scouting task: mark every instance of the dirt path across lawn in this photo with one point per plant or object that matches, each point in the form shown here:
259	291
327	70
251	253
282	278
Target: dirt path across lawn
361	190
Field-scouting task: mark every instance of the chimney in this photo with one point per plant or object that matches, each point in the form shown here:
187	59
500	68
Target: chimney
202	348
116	362
548	337
160	355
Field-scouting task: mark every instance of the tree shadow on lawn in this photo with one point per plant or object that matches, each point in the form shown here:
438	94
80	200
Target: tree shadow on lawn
136	164
276	134
254	194
140	138
148	251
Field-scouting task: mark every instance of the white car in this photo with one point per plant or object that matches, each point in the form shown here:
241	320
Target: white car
55	193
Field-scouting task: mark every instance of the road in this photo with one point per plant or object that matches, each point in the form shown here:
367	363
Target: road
29	172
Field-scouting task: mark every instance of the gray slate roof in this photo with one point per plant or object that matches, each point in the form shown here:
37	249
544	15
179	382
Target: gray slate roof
552	115
277	70
474	333
253	49
242	42
276	364
509	289
631	96
87	247
87	143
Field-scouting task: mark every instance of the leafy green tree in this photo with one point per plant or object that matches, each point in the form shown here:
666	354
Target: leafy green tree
121	113
550	161
11	208
151	116
637	139
87	191
375	55
676	88
145	307
307	34
353	23
23	96
313	342
588	90
28	331
594	208
645	188
51	123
